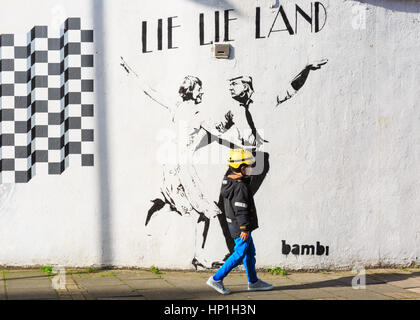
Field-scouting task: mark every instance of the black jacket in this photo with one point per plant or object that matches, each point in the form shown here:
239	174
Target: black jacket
239	204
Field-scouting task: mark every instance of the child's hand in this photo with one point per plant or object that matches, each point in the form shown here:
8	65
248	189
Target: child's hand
244	235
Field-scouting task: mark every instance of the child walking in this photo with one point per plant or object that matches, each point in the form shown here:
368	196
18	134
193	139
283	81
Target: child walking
241	216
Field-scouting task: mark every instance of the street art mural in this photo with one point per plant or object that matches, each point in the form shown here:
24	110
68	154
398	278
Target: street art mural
335	148
46	101
182	190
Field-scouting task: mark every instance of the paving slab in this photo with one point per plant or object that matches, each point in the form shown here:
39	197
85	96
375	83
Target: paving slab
187	280
65	297
77	296
186	275
401	280
282	281
29	284
32	294
359	294
213	295
306	293
135	274
2	291
392	291
25	275
97	282
271	295
308	277
339	275
187	285
111	291
147	284
288	284
415	290
123	298
166	294
346	281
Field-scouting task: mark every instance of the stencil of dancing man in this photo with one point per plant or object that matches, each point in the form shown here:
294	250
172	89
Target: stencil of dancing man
238	126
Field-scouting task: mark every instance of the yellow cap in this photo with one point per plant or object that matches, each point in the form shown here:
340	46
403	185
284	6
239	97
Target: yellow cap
240	156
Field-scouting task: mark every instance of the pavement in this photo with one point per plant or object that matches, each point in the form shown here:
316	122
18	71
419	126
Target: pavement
122	284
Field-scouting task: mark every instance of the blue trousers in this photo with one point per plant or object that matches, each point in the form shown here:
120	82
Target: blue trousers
244	253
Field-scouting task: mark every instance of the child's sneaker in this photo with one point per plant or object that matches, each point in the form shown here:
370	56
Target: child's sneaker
217	285
259	286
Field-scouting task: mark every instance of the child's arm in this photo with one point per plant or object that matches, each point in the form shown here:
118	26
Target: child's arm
240	203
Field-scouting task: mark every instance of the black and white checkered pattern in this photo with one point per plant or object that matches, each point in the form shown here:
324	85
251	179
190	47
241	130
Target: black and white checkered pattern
46	101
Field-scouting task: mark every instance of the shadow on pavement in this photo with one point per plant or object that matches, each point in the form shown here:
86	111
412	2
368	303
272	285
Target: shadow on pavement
199	290
344	282
41	276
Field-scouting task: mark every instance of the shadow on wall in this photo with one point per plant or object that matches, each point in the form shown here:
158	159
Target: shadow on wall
104	237
395	5
217	4
214	3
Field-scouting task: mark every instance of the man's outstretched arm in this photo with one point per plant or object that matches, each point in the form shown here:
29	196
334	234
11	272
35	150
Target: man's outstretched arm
297	83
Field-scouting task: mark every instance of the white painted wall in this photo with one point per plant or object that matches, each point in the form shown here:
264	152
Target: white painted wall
344	152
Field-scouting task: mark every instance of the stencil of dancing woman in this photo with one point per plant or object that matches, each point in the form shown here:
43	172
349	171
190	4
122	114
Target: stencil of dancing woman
181	189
